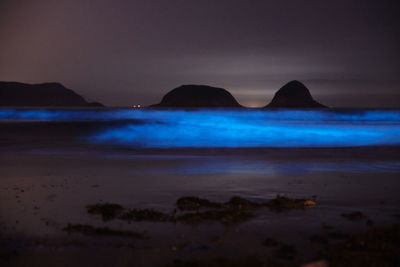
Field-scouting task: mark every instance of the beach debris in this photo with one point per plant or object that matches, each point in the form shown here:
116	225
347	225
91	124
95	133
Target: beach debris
355	216
309	203
101	231
282	203
236	210
145	215
237	202
195	203
108	211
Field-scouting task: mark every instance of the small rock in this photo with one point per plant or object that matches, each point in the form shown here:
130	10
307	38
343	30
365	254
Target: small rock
310	203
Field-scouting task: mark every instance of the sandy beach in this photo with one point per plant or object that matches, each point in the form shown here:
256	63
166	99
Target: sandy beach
49	177
43	191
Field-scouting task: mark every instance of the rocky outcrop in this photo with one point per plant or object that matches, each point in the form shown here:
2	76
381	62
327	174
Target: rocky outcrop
294	95
44	95
198	96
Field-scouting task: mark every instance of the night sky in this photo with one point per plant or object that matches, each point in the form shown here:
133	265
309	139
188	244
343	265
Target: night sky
132	52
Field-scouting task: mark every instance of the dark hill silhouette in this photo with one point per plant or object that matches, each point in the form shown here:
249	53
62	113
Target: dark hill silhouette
198	96
44	94
293	95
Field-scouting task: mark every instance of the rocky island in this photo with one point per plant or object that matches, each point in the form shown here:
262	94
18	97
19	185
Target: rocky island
294	95
198	96
41	95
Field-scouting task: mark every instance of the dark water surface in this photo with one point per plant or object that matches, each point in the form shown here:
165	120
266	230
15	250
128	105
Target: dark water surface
215	128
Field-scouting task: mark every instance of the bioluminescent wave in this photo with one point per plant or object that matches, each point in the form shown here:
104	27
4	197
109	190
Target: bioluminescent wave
228	128
357	115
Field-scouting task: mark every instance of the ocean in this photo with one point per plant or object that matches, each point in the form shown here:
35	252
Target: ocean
206	128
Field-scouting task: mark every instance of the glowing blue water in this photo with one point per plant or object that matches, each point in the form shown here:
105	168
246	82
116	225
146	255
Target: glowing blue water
229	128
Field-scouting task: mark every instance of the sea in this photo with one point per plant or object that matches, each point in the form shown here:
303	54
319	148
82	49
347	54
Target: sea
216	128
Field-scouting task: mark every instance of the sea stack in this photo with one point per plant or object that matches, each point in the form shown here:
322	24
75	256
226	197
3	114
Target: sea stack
294	95
198	96
41	95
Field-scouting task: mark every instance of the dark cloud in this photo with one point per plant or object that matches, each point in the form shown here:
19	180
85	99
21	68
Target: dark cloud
127	52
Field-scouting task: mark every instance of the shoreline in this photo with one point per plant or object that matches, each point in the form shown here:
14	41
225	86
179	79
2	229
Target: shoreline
51	173
43	190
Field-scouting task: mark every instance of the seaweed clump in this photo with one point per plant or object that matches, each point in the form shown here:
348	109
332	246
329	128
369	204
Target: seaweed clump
108	211
100	231
242	203
145	215
195	203
225	216
236	210
281	203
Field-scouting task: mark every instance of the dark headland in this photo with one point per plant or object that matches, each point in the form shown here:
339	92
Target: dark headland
294	95
198	96
44	94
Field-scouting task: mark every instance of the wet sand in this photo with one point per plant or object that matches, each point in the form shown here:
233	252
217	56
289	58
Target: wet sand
45	189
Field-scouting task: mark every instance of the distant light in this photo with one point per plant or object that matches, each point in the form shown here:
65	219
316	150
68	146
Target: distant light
138	106
134	106
254	105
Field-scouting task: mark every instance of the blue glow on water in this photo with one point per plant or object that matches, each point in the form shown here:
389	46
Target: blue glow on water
229	128
220	165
